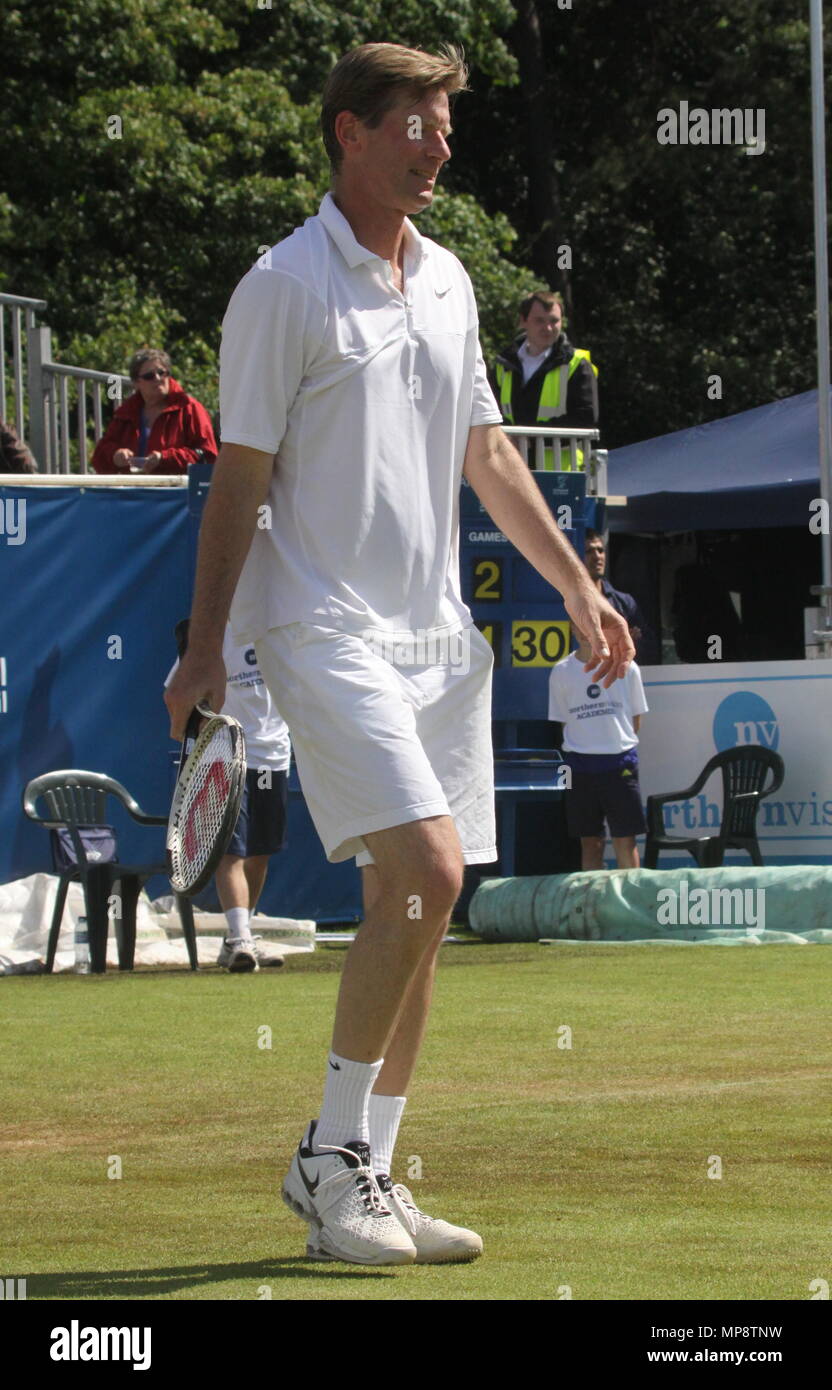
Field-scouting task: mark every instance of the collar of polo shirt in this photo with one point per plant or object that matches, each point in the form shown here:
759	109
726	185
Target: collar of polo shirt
353	252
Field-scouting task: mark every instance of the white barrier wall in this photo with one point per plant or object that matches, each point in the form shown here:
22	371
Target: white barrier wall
696	711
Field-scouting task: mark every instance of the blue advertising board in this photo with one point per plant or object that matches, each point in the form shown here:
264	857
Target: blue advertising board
94	579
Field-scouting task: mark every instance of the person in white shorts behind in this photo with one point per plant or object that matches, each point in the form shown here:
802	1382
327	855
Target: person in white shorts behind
353	396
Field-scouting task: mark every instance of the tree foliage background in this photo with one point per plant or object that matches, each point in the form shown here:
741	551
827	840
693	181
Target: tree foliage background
686	260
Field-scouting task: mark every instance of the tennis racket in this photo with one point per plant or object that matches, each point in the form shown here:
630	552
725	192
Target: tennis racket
209	789
206	802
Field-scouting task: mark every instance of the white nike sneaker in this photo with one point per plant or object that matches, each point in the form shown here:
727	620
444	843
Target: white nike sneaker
231	948
239	955
437	1242
336	1191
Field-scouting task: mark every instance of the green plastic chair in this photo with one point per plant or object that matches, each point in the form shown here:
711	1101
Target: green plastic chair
744	772
76	800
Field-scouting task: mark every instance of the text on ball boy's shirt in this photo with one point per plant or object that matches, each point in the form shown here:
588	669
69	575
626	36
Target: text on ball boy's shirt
247	700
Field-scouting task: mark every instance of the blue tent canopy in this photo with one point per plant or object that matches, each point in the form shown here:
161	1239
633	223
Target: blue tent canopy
756	469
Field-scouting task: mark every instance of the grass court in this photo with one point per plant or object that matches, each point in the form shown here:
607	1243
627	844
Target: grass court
584	1168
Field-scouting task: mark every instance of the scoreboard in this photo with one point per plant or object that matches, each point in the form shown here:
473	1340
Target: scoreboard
514	607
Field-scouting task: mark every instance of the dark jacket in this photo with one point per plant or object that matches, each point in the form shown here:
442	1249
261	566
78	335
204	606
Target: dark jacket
647	648
183	427
581	393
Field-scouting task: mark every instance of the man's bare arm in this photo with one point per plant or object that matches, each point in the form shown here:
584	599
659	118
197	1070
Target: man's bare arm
239	485
507	490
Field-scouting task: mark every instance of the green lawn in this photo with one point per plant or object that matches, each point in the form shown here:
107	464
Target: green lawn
584	1168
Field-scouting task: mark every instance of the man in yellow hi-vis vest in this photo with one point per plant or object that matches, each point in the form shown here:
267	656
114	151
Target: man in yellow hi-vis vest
541	379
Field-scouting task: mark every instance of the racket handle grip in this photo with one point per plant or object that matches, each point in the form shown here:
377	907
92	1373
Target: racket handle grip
195	718
192	727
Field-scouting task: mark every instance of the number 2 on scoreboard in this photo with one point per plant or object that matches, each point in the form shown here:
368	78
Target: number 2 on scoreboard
488	581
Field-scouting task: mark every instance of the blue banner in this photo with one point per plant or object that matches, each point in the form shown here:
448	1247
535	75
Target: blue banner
95	580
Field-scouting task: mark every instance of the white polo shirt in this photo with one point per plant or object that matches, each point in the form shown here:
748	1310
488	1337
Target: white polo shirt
366	395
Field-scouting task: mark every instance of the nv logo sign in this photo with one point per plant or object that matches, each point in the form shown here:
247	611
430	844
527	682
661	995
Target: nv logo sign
744	720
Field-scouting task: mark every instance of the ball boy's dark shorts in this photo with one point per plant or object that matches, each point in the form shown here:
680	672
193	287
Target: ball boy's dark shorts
611	794
261	826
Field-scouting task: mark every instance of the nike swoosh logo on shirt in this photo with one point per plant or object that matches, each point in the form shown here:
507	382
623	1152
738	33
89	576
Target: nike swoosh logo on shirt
440	294
336	1066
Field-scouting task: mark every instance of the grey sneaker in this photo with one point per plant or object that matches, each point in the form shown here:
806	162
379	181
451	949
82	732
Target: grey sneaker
437	1242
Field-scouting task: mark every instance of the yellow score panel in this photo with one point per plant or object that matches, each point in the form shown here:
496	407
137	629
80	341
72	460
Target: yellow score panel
538	642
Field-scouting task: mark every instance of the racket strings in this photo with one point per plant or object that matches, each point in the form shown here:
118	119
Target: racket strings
210	785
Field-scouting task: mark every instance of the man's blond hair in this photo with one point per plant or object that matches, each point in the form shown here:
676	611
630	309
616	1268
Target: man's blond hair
371	79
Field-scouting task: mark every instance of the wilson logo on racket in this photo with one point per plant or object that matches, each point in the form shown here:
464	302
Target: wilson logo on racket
213	791
206	802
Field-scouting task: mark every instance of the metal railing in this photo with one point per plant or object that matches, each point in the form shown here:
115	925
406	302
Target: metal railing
21	311
58	378
93	480
45	393
541	437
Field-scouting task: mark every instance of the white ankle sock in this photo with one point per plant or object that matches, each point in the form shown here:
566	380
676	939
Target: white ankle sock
343	1114
238	923
385	1113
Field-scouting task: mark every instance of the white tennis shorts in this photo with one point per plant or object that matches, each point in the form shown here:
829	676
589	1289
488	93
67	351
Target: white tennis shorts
380	739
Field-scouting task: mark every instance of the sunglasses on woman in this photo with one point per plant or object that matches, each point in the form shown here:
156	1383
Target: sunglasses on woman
151	376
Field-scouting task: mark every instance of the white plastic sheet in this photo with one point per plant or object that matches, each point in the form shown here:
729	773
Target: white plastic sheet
27	904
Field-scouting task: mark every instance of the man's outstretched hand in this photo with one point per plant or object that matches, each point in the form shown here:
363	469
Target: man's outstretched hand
607	633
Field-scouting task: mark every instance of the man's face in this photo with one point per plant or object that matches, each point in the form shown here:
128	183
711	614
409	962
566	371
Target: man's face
595	557
153	383
400	159
542	327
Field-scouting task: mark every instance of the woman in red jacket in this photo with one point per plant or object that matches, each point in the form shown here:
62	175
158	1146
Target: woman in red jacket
159	424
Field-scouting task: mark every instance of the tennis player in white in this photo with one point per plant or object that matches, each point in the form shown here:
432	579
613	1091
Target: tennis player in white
353	396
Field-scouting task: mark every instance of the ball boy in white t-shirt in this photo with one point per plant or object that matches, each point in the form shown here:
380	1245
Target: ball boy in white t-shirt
600	745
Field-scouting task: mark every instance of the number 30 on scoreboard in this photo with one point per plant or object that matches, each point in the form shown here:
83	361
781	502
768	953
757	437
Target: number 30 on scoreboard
538	642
